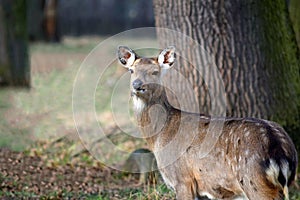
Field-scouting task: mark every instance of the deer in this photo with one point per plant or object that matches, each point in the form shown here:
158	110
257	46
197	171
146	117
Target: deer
252	158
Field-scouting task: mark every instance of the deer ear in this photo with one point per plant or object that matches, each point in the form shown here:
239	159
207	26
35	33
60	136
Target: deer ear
167	57
126	56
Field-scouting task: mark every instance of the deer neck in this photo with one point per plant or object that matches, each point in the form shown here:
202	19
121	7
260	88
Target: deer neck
152	115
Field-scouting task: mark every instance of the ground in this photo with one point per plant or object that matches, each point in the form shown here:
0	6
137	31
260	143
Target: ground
28	175
41	154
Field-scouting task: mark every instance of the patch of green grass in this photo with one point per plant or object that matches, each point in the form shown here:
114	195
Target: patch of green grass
69	45
159	192
45	111
4	103
295	192
17	195
11	136
9	139
48	103
50	195
60	153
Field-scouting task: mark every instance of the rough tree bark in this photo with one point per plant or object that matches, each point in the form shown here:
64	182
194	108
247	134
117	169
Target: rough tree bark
14	63
253	46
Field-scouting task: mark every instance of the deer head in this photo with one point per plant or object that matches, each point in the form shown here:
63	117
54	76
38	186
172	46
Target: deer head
146	74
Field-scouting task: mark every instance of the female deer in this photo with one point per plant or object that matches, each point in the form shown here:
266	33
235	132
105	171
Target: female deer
253	159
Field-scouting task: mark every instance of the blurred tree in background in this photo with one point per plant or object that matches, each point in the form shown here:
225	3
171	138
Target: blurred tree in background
14	63
53	19
42	20
50	20
254	48
294	9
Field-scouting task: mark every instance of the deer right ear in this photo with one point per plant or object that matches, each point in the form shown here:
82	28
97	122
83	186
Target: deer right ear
126	56
167	57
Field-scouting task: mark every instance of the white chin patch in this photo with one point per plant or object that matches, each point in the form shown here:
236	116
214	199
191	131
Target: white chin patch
138	104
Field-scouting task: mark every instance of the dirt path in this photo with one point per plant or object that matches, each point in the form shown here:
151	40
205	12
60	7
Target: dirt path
28	176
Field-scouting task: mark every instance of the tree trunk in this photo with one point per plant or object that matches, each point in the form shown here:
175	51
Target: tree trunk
14	63
35	17
253	47
294	9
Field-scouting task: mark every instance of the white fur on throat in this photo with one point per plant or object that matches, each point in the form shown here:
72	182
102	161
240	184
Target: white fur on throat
138	104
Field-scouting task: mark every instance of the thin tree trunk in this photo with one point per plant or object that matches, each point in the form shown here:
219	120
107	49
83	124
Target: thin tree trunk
14	63
253	47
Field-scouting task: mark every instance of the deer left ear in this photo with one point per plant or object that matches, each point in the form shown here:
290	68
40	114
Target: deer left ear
126	56
167	57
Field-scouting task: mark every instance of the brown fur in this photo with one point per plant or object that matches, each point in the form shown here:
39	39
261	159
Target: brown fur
237	164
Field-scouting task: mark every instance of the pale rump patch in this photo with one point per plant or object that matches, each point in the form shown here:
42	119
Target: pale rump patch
273	172
286	173
285	169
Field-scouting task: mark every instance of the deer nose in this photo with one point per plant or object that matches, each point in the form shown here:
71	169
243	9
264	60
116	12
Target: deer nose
137	84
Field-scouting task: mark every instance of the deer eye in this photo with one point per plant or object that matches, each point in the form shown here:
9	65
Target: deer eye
155	72
131	71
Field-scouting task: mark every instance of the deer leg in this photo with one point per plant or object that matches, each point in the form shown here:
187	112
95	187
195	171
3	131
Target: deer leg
184	192
261	193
